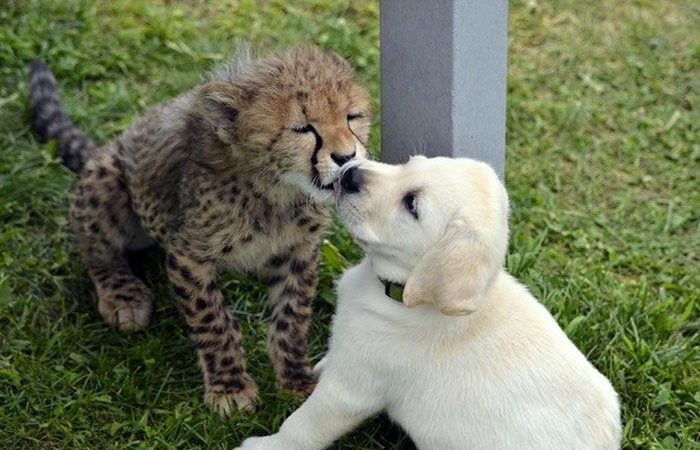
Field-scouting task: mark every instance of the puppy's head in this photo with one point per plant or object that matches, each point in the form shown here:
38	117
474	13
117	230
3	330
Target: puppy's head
438	225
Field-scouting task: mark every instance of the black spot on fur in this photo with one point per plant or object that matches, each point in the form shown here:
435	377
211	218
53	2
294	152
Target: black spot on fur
291	291
200	329
217	330
208	318
227	361
186	274
230	111
278	260
289	311
274	279
113	219
210	359
180	291
227	345
203	345
187	311
234	384
297	266
296	366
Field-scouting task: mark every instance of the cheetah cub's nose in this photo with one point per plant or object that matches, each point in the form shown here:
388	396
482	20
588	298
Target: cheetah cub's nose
342	159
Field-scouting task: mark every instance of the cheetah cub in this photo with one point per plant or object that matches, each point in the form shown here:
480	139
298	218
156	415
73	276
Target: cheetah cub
234	174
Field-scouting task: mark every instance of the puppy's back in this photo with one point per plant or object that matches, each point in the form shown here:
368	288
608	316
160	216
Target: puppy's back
560	388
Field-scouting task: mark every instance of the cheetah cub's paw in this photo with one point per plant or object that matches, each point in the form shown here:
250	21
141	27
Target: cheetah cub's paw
225	403
263	443
128	309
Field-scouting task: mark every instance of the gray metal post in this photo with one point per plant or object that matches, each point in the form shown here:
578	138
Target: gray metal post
443	79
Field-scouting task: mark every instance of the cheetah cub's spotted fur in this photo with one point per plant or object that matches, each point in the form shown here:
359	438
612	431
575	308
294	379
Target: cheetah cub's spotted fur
234	174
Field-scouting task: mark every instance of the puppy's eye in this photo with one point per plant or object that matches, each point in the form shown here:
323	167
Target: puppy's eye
411	205
308	128
353	116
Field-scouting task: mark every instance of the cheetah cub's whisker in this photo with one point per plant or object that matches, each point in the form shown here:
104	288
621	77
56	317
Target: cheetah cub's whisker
234	174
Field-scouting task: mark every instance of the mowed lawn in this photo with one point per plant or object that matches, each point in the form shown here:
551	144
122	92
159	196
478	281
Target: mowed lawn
603	163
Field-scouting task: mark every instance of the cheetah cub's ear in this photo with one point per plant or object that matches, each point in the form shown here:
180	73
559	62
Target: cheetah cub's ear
219	105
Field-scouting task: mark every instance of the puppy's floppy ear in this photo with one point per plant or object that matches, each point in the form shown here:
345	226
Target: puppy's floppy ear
455	273
219	105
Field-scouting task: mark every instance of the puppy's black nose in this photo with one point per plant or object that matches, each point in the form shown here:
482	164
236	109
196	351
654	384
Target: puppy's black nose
351	181
341	159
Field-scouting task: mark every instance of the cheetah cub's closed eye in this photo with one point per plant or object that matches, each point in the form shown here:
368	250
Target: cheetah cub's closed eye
234	174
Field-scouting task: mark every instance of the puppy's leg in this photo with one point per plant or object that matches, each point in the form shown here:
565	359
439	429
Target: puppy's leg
337	406
215	333
102	218
292	284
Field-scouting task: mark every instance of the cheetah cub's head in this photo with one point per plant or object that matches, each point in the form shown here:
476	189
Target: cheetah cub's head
299	117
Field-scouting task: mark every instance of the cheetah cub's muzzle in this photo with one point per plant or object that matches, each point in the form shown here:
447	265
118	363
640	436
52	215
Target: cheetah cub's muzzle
334	147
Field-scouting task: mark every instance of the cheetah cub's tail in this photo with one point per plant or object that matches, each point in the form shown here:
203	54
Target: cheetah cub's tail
50	121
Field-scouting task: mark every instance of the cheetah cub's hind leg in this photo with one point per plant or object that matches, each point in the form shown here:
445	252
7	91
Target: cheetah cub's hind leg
102	218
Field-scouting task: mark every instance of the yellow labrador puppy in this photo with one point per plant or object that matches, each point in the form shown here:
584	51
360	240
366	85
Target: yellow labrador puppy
462	356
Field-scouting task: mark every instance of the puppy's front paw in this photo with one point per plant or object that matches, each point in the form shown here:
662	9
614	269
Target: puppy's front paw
262	443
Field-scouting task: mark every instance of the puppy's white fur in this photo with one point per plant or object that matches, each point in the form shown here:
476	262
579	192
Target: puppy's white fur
471	360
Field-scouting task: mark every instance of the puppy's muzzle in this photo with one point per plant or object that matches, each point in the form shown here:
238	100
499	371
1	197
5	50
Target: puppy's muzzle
351	180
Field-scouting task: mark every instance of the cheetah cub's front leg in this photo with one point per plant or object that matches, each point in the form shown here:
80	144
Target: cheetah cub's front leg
216	334
292	283
102	218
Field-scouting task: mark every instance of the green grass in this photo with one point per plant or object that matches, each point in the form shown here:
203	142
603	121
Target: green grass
603	157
